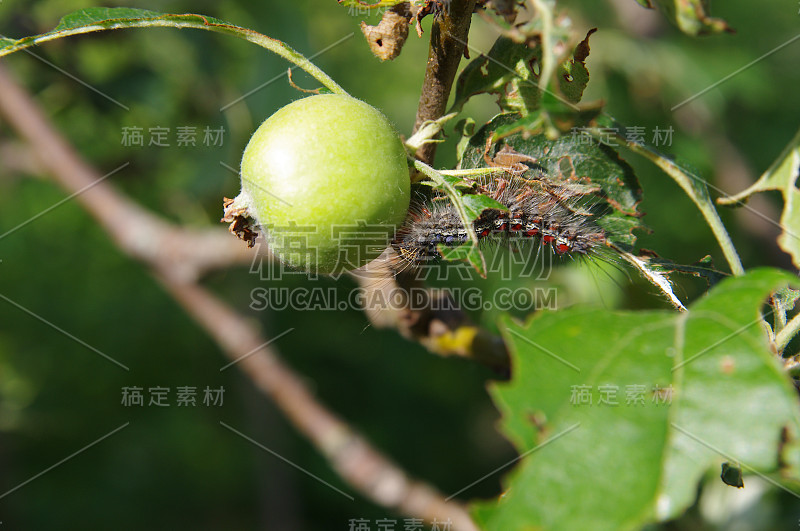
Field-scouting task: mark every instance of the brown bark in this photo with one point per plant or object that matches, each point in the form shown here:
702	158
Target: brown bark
449	32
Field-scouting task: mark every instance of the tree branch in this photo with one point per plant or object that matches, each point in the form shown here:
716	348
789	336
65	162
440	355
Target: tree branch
167	249
449	32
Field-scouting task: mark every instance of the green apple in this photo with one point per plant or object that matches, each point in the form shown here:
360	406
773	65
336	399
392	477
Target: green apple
326	177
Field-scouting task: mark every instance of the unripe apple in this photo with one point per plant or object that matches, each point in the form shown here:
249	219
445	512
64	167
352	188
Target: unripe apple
326	177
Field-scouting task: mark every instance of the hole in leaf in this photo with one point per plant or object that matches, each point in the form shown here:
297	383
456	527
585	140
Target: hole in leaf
732	475
534	66
797	179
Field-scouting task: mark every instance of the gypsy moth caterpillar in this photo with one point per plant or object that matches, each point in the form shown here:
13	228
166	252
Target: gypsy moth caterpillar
552	217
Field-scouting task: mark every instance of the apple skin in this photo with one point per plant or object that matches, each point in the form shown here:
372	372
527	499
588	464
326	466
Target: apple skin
327	179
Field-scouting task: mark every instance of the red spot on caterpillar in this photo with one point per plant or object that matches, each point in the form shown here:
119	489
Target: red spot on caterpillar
562	248
548	238
532	232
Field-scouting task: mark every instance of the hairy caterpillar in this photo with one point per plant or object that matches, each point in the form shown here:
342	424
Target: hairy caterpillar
549	215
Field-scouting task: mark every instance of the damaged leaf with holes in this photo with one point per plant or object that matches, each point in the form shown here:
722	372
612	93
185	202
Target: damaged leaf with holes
575	166
511	71
505	71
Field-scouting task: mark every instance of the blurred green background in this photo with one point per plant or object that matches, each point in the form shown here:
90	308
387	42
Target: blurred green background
176	467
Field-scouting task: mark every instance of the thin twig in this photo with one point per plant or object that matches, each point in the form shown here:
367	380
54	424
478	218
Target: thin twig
187	20
787	333
545	14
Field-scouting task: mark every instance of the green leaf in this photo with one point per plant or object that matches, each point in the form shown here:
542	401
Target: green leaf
620	229
508	70
535	72
466	252
504	71
692	391
783	175
691	183
451	180
104	18
573	76
475	204
787	298
691	16
553	113
464	129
